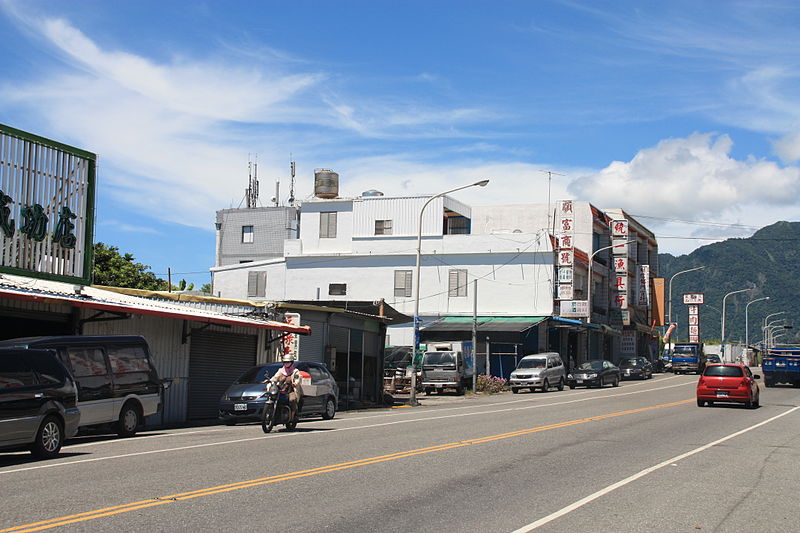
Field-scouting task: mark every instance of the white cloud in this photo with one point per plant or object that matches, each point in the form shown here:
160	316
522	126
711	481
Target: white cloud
693	178
788	147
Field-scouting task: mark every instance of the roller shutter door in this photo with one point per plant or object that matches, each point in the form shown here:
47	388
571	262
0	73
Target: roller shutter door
312	347
215	361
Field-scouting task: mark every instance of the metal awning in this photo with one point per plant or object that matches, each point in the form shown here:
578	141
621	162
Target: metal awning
102	300
569	322
499	329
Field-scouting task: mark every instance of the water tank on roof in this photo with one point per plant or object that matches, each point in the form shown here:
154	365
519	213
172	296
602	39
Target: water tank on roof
372	192
326	183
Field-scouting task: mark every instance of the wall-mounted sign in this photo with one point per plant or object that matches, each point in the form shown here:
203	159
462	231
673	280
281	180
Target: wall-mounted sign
565	275
620	316
694	310
619	300
694	338
619	229
621	282
565	207
693	298
565	258
644	285
565	291
46	207
574	308
291	341
565	242
620	264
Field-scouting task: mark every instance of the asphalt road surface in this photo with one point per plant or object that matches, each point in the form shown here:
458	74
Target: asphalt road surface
640	457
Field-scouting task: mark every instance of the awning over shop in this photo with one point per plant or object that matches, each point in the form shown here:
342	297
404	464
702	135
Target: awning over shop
557	321
101	300
501	329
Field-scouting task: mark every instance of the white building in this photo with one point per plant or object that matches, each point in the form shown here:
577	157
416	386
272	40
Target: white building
364	248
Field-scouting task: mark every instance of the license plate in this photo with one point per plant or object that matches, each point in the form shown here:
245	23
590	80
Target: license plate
240	407
578	381
722	394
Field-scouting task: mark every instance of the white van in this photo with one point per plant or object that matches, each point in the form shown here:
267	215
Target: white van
539	371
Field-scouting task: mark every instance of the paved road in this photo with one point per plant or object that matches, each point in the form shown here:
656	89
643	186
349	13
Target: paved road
635	458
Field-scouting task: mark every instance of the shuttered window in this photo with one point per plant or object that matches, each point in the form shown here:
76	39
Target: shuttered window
457	283
402	283
256	284
327	225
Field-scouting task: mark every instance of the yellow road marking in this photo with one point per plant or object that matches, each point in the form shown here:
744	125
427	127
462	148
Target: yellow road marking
134	506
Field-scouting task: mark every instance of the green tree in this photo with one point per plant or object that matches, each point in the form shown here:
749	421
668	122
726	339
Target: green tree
121	270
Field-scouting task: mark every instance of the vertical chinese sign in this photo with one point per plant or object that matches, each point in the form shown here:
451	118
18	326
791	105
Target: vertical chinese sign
291	341
694	300
46	207
619	235
566	249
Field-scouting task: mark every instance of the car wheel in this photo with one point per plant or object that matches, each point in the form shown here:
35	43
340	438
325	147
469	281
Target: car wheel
748	404
545	385
615	383
701	403
330	409
129	420
560	386
571	387
460	391
514	390
49	438
757	402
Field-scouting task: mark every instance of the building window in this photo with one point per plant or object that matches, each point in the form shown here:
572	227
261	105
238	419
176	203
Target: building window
457	226
247	234
256	284
327	225
402	283
457	283
383	227
337	289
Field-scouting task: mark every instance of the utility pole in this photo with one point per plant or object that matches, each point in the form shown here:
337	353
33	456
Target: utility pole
550	175
474	335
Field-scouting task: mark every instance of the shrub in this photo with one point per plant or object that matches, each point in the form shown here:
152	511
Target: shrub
490	384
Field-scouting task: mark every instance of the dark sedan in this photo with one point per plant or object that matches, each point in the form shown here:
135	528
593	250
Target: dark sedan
245	399
635	368
594	374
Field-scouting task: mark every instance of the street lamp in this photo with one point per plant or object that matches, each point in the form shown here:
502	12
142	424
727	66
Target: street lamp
589	289
413	399
747	323
722	348
669	307
764	327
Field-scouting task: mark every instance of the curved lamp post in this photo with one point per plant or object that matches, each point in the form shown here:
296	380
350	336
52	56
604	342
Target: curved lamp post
413	398
589	289
722	350
669	306
747	323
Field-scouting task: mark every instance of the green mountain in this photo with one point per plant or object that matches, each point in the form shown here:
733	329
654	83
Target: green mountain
769	262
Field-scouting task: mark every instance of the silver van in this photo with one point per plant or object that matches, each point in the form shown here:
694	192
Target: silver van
539	371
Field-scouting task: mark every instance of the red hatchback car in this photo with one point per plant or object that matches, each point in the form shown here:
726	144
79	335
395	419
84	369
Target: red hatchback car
728	383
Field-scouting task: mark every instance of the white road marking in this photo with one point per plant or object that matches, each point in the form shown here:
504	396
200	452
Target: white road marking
286	435
630	479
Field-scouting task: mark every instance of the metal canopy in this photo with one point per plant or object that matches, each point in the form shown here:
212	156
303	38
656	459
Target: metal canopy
499	329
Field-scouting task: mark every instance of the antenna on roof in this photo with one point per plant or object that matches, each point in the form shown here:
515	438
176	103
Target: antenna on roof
251	193
291	183
550	175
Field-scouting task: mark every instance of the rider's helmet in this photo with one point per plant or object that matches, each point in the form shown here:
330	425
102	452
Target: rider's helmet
288	358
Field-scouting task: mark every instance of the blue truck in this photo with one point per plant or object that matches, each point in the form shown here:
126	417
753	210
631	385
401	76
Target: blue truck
781	365
688	357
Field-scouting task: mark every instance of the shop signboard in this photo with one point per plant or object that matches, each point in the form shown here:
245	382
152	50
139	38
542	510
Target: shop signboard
565	291
644	285
565	258
627	345
620	264
620	317
574	308
565	275
619	229
46	207
291	341
693	298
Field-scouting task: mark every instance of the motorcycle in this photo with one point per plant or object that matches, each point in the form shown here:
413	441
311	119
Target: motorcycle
276	409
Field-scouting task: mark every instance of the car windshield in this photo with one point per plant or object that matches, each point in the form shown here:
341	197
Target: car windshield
724	371
532	363
685	350
591	365
257	374
399	354
630	361
713	359
439	358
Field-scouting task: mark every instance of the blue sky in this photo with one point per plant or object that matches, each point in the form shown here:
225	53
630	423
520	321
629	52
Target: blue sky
683	111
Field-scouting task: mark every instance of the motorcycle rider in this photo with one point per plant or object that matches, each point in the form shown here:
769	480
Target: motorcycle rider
288	378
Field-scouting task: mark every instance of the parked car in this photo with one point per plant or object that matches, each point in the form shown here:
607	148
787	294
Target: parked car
728	382
117	382
539	371
38	402
244	400
594	374
635	368
713	358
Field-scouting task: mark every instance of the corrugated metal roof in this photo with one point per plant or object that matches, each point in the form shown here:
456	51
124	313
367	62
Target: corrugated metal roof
36	290
485	323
